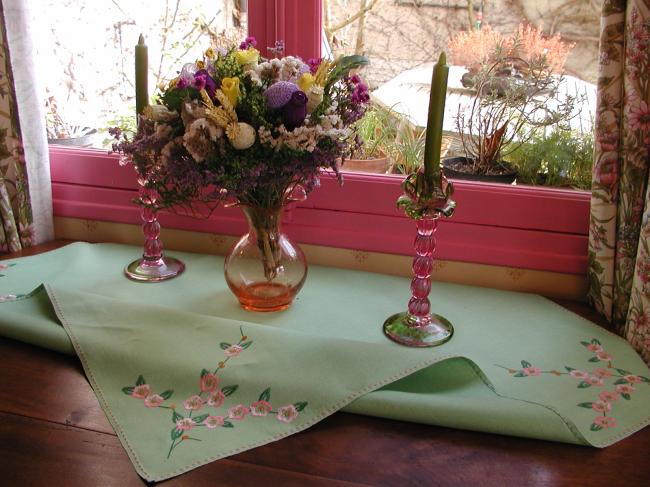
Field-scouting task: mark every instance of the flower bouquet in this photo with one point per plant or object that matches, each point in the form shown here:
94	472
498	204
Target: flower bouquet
236	127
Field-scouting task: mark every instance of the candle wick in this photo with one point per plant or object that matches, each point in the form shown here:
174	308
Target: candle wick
141	39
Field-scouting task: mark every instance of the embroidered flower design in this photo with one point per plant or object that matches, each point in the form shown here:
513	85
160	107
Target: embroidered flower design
193	403
209	382
260	408
601	406
212	422
594	381
233	350
602	373
606	357
216	399
632	379
605	422
287	414
595	347
153	400
532	371
238	412
608	396
625	388
185	424
141	391
579	374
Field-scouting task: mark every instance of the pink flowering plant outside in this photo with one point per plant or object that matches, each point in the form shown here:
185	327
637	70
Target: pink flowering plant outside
623	382
235	125
206	408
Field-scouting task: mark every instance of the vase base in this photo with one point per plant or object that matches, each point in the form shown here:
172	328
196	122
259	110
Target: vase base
410	331
264	297
143	270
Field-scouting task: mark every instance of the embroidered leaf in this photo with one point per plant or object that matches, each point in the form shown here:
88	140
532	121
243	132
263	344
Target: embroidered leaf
525	364
300	405
228	390
519	374
595	427
201	418
2	275
569	369
227	424
266	395
167	394
204	372
176	434
595	341
224	345
127	390
644	379
585	343
247	344
623	372
140	381
620	381
626	396
594	359
176	416
585	405
584	385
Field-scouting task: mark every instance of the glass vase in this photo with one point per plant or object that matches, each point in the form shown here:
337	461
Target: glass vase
265	269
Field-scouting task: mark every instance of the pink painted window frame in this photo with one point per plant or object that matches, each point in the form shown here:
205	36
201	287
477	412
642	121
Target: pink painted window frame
515	226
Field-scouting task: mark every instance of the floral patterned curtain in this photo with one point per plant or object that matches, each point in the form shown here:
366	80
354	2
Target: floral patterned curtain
619	236
25	191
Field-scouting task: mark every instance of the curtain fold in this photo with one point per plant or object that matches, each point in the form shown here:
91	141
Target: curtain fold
619	235
25	187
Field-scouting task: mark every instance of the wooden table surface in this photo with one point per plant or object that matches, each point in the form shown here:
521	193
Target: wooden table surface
53	432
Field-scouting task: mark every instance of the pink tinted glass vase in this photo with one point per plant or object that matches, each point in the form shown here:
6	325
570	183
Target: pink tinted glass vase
418	327
153	266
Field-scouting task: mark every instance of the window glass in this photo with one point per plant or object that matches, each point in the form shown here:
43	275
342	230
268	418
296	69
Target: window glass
85	55
403	38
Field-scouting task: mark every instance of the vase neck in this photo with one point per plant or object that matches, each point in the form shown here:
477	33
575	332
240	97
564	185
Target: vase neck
264	219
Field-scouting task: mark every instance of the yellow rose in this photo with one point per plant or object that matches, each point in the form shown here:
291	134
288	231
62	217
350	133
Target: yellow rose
230	88
209	53
200	64
305	82
248	56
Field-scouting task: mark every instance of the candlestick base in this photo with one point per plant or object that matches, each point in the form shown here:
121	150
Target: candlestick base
412	331
144	270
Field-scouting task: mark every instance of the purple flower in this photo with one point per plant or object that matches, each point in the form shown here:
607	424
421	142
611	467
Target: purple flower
199	82
278	49
210	84
250	41
181	83
360	94
278	94
314	63
294	112
355	79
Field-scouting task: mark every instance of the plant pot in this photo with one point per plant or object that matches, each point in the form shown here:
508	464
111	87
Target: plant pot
378	165
460	168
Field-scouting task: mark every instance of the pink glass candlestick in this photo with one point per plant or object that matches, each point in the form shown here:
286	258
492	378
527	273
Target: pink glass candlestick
418	327
153	266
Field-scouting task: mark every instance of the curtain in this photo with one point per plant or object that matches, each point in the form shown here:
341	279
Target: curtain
25	188
619	233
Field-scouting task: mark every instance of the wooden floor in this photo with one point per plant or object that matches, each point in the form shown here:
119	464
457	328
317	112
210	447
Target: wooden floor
53	432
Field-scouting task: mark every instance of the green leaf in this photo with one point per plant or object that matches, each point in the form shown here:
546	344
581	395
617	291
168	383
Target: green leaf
644	379
167	394
525	364
595	427
594	359
300	405
176	434
584	385
620	381
595	341
140	381
224	345
626	396
266	395
204	372
247	344
569	369
519	374
127	390
585	405
227	424
586	344
623	372
176	416
200	419
228	390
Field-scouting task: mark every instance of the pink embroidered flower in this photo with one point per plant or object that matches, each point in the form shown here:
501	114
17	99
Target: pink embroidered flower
594	347
141	391
287	414
625	388
153	400
594	381
601	406
632	379
238	412
261	408
532	371
604	356
193	403
602	373
4	267
209	382
578	374
185	424
233	350
213	421
605	422
216	399
608	396
640	116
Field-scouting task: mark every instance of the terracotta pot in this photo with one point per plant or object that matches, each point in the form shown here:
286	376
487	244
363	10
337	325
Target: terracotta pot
452	169
378	165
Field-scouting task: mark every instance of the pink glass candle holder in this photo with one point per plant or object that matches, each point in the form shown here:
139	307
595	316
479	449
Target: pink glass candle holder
153	266
418	327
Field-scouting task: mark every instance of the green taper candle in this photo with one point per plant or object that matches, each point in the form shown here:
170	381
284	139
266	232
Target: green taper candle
141	76
434	122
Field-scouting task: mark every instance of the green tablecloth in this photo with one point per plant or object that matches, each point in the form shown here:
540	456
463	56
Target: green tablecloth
186	376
